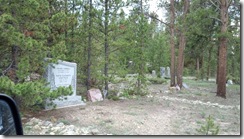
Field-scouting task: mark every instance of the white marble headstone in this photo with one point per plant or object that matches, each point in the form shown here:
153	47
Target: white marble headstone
154	74
63	74
167	73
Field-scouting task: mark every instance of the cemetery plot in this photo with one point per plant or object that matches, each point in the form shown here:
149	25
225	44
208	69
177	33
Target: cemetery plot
159	113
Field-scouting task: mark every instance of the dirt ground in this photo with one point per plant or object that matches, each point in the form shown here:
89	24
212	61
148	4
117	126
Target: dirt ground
159	113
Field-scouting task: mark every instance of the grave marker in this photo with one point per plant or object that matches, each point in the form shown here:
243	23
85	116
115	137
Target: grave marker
162	71
63	74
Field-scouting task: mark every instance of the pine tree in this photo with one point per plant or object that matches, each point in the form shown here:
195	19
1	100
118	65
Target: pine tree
182	44
27	31
172	43
107	26
139	37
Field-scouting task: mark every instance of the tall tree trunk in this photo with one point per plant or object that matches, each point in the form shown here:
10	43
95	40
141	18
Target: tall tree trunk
66	26
181	59
198	68
106	45
89	48
139	80
73	26
221	87
202	67
217	73
182	45
172	44
209	60
233	65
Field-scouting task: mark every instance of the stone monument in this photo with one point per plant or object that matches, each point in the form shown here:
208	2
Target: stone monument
162	71
167	72
154	75
63	74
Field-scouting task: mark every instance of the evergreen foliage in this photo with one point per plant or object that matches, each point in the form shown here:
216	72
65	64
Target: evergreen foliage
209	128
32	93
136	43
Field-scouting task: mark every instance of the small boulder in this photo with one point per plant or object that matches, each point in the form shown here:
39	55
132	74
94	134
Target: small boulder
94	95
229	82
177	87
185	86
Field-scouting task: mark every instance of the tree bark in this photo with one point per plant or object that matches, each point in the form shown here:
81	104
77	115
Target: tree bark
198	68
106	45
217	75
233	66
209	60
202	67
182	45
172	43
139	78
66	26
73	28
221	87
89	48
181	59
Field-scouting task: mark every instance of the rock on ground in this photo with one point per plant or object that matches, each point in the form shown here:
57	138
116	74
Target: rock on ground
39	127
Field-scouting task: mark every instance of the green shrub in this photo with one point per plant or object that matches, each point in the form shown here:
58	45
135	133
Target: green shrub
115	98
30	94
229	77
236	80
113	95
157	80
134	91
209	128
186	72
128	92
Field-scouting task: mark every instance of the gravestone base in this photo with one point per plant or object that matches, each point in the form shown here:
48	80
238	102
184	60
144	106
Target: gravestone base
69	102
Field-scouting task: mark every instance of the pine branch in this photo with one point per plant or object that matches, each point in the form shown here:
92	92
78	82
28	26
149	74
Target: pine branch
116	49
157	19
215	4
6	70
216	19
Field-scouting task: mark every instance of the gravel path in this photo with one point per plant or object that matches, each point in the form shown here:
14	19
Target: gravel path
39	127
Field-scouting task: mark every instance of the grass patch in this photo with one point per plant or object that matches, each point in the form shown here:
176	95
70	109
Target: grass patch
113	95
66	122
209	127
199	83
184	91
118	80
105	122
198	122
234	87
157	80
114	98
203	114
81	91
198	94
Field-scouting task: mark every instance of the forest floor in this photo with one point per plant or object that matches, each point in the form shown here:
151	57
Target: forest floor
160	113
